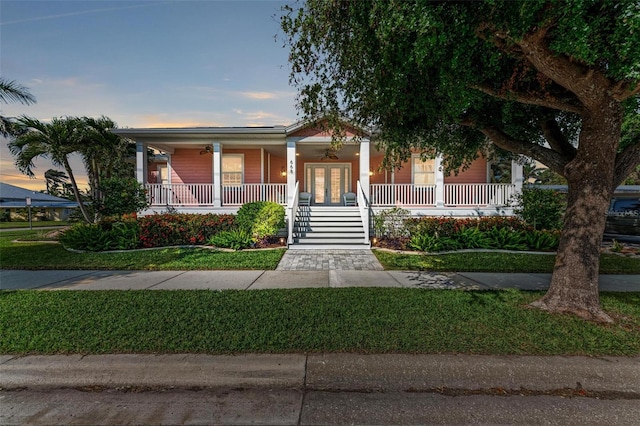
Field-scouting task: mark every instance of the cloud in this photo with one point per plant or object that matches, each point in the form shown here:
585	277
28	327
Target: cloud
265	95
261	118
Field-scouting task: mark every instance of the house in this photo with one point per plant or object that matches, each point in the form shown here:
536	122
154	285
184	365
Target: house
47	206
217	169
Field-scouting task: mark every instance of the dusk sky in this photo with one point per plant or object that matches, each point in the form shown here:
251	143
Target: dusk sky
145	64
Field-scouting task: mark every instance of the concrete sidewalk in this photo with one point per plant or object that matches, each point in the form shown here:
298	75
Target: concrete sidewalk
256	280
318	389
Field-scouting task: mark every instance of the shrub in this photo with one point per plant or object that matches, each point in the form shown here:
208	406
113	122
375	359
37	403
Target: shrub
236	239
260	219
541	208
5	216
542	240
102	236
163	230
432	243
391	223
120	196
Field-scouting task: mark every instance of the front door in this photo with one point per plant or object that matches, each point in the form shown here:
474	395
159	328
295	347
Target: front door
327	182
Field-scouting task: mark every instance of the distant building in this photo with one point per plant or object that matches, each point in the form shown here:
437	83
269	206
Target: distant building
45	206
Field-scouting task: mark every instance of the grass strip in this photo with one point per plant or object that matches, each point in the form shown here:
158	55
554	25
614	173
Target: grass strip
363	320
495	262
34	224
36	255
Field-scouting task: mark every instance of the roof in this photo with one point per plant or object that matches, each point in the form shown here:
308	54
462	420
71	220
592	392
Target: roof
14	196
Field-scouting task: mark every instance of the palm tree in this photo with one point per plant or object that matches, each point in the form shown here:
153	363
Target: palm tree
55	180
55	140
10	91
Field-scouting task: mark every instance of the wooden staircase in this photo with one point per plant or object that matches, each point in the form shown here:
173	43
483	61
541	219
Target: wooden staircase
320	227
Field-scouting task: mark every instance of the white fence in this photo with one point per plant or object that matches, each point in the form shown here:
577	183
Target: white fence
402	194
237	195
478	194
455	195
202	194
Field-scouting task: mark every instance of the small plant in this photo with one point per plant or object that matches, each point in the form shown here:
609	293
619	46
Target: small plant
473	238
236	239
617	247
542	240
391	223
503	238
432	243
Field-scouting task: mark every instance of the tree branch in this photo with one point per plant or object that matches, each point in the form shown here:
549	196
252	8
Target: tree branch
626	162
624	91
584	82
548	101
550	158
556	139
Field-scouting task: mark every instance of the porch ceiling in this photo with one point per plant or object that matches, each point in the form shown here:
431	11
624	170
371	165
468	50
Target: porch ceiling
307	151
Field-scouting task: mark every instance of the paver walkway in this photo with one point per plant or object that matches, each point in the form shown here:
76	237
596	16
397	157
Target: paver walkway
327	260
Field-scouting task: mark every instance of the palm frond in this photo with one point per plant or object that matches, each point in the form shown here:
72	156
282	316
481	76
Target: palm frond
10	91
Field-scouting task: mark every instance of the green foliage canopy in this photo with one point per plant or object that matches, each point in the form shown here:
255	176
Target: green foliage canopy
446	76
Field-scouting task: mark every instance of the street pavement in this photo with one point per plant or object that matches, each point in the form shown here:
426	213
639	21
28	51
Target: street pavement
319	389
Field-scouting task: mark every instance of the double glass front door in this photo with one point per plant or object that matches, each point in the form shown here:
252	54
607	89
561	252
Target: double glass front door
327	182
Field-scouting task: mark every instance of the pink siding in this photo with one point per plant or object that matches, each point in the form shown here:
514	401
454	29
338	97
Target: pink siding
403	175
188	166
277	163
378	175
476	173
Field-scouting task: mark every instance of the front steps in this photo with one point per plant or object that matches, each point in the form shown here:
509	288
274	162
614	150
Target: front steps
319	227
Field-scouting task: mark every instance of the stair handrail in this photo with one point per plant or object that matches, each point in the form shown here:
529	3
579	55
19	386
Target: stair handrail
292	212
363	206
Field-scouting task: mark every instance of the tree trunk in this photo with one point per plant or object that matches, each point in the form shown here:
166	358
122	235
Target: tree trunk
574	284
76	192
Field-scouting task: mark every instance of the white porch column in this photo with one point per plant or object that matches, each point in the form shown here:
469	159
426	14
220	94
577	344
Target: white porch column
439	181
292	171
365	164
141	163
217	174
517	176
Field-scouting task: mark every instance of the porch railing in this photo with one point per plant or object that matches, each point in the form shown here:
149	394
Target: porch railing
202	194
478	194
237	195
402	194
455	195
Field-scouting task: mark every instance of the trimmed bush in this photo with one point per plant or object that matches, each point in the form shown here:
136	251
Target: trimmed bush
163	230
260	219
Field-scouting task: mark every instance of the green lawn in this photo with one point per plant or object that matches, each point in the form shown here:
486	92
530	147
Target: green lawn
364	320
38	255
35	224
496	262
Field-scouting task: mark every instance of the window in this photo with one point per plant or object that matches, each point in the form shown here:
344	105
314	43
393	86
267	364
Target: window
232	169
423	171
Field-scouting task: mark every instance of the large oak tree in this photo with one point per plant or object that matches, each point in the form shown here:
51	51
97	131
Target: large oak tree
550	80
